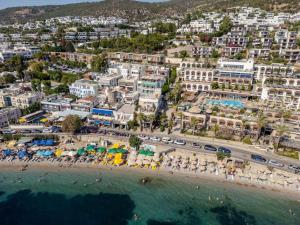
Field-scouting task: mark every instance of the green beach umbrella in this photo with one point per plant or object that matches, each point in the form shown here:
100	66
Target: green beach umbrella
117	150
81	151
146	152
101	149
90	148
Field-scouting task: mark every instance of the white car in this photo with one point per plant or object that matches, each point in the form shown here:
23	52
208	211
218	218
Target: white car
167	140
9	131
275	163
155	139
143	137
179	142
48	130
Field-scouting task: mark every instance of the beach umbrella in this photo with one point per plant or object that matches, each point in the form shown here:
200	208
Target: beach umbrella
58	152
7	152
81	151
44	120
22	120
101	149
90	148
49	142
22	154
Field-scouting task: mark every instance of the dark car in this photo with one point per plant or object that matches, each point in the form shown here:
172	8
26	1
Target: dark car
195	144
24	131
36	131
210	148
224	150
258	158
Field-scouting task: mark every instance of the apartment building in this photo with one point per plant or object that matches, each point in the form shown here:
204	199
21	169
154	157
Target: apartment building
83	88
74	57
282	91
25	100
196	76
54	103
9	115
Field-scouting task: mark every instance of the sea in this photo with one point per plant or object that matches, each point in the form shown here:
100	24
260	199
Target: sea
14	3
70	196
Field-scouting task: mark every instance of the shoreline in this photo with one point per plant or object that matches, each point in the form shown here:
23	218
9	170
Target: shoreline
161	172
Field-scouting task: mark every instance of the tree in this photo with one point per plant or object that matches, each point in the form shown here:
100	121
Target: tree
135	142
261	123
151	119
32	108
9	79
36	85
175	94
69	47
280	130
180	114
216	128
215	54
183	54
141	117
223	86
36	67
225	26
170	125
99	63
194	122
214	85
71	124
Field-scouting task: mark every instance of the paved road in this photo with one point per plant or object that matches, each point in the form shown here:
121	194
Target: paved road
236	152
240	151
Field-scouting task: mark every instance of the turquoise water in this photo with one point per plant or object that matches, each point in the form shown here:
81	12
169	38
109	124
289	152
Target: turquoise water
90	196
230	103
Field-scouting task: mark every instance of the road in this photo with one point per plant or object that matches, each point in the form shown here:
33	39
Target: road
237	152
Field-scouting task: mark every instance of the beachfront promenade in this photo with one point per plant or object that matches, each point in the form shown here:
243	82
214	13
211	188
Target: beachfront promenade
111	149
239	150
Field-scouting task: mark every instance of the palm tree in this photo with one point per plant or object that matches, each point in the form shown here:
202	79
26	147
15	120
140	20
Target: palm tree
216	128
170	125
194	122
180	114
261	122
141	117
280	130
151	119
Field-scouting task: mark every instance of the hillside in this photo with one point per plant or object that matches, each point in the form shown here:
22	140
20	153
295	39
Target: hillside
138	10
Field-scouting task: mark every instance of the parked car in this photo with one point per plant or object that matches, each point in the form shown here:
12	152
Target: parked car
8	132
275	163
155	138
24	131
195	144
47	130
143	137
167	140
258	158
210	148
179	142
294	167
224	150
36	131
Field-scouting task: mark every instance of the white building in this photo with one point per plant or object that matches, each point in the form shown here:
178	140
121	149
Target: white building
9	115
83	88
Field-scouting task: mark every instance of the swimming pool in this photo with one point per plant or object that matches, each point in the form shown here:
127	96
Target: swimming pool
230	103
